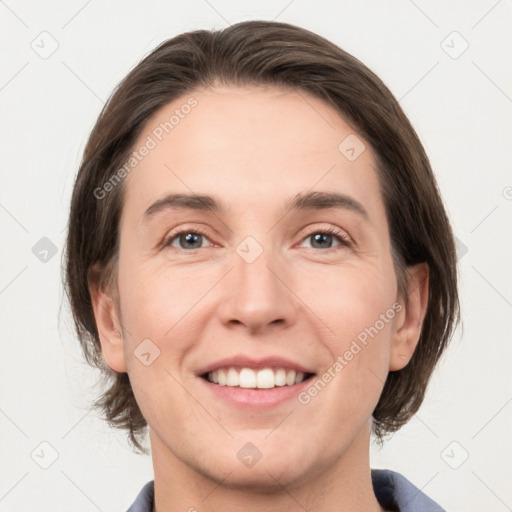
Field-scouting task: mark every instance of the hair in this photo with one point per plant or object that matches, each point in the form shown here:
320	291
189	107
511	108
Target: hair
279	55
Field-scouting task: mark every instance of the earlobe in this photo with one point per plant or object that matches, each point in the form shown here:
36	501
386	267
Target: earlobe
108	325
410	321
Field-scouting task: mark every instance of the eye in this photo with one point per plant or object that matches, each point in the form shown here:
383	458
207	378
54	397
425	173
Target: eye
191	239
187	239
323	238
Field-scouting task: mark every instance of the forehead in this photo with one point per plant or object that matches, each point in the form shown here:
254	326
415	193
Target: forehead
248	145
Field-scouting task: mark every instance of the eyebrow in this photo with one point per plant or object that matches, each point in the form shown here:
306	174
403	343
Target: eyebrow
304	201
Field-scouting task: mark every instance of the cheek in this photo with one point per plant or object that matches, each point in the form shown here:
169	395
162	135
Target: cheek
351	383
357	298
157	304
359	308
161	315
157	310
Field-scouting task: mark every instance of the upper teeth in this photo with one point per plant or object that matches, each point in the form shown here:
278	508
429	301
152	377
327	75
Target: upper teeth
248	378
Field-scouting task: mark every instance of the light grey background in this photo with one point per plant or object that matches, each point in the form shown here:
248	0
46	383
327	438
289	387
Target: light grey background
461	106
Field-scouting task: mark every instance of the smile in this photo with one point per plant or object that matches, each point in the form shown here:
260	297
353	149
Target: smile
265	378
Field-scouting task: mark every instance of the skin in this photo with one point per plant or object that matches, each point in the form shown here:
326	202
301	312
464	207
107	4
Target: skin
253	148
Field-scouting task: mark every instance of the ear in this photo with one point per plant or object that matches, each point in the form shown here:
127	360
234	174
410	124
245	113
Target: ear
409	321
108	324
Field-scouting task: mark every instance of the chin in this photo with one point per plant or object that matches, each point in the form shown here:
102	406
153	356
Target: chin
263	477
265	468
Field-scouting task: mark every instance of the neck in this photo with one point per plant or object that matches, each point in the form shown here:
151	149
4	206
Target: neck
343	483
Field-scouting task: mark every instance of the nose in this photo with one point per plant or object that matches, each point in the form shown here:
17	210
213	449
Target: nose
257	295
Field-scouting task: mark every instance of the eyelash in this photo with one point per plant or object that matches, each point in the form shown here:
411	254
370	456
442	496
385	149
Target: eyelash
342	238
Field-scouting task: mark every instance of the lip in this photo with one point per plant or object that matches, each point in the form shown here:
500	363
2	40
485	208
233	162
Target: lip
243	361
254	398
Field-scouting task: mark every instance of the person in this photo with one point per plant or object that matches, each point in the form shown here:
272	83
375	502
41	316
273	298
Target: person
260	263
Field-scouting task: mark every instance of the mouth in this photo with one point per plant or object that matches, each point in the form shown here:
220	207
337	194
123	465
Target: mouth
246	382
249	378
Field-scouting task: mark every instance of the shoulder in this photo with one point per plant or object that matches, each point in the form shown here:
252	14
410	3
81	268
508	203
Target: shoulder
144	500
394	491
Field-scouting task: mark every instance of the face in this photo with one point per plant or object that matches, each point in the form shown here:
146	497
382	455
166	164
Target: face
277	283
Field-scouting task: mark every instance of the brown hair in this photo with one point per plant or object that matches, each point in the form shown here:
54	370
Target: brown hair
281	55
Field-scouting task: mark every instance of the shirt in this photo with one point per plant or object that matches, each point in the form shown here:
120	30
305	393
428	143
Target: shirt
392	490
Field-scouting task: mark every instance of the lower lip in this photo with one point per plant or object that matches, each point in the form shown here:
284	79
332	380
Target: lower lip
250	397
